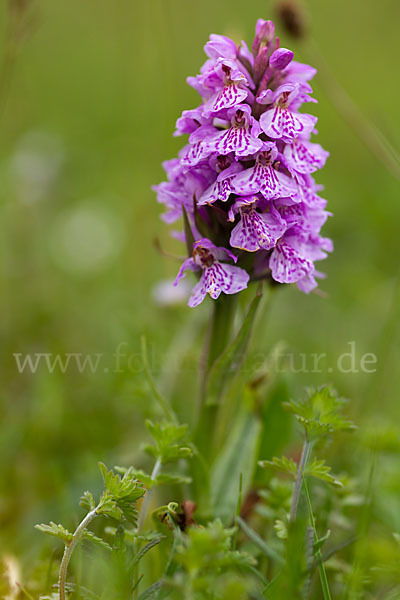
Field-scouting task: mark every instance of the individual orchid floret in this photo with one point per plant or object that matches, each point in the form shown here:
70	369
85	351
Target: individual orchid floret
280	122
190	120
289	262
216	276
223	85
263	177
221	188
257	228
220	46
241	138
304	157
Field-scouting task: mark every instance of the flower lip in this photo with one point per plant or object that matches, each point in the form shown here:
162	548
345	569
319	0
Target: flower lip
203	257
267	155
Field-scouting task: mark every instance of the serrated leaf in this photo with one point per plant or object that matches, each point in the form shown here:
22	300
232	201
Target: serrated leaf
320	470
121	495
281	529
320	413
172	479
170	441
87	501
229	362
57	531
281	465
154	542
109	508
97	540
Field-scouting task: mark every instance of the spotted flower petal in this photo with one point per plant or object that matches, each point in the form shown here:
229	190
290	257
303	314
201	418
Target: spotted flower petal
305	157
263	178
219	277
288	263
255	230
281	123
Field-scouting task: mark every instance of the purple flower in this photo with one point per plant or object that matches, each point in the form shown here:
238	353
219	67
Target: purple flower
304	157
216	277
244	180
289	262
281	122
256	229
280	58
241	138
263	177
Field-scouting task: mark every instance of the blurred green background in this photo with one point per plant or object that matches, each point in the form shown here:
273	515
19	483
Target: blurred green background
86	119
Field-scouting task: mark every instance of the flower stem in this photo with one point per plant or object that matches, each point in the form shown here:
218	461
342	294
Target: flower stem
305	455
147	499
69	548
221	326
220	335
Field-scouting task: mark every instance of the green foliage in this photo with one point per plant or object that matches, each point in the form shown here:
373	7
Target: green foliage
282	465
236	459
57	531
170	442
160	479
229	362
320	413
317	468
320	470
120	495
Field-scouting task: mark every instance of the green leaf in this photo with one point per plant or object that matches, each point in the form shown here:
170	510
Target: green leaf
57	531
321	541
231	359
87	501
152	591
108	508
161	479
259	542
322	471
89	535
282	465
154	542
170	441
238	456
320	413
121	495
281	529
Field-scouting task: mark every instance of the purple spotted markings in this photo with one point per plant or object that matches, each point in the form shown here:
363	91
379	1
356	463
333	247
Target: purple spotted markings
245	180
216	276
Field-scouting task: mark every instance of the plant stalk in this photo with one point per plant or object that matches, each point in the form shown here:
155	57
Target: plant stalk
220	336
69	548
147	499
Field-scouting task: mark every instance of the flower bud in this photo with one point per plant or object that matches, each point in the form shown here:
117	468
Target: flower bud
265	33
280	58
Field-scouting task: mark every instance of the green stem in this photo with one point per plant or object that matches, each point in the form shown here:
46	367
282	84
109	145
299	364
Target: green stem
221	326
321	569
148	496
220	335
79	531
